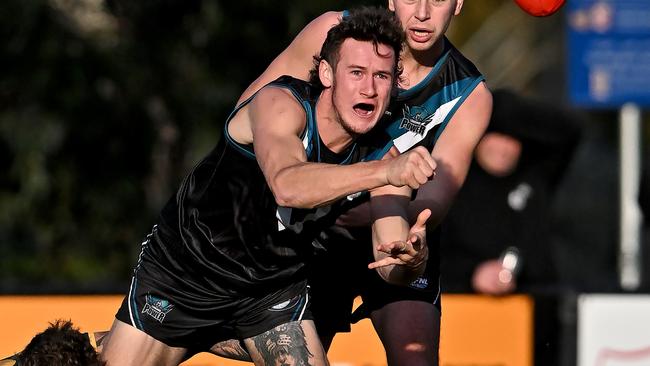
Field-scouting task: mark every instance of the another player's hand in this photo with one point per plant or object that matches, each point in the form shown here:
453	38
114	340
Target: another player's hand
412	168
413	252
491	278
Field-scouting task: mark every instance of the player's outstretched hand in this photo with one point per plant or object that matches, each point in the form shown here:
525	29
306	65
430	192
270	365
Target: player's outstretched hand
412	168
411	253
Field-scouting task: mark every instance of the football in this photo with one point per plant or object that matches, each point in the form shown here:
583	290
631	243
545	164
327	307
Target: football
540	8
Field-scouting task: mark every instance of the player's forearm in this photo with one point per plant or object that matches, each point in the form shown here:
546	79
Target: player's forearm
389	209
311	185
426	197
389	215
438	194
438	209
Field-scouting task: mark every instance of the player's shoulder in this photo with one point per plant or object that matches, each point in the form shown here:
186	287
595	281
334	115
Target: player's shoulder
330	18
460	60
278	96
274	92
482	93
308	42
478	105
324	22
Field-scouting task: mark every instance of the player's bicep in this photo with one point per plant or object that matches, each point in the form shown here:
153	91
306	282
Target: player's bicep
389	210
455	148
277	121
453	153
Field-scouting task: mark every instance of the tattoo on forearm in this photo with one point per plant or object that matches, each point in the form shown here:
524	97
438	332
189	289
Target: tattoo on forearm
284	345
232	349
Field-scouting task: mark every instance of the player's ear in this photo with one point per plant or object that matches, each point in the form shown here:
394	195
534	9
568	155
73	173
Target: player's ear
325	73
391	5
459	7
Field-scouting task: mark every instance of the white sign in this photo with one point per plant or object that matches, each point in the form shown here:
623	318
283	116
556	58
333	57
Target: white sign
614	330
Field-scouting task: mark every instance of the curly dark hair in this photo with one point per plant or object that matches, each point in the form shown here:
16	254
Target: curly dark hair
61	344
368	23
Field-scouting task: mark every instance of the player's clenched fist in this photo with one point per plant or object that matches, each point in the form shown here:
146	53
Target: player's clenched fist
412	168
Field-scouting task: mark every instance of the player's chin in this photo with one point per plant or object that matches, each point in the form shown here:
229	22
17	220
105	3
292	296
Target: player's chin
421	46
366	117
362	129
365	127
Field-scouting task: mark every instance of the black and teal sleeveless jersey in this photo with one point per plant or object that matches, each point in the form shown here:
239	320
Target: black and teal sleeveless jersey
418	115
224	229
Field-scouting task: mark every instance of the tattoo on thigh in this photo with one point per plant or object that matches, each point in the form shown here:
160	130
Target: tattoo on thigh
232	349
284	345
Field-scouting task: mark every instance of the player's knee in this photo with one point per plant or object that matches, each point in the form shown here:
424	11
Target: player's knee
412	354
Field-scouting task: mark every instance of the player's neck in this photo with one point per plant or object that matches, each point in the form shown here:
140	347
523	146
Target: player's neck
416	65
330	128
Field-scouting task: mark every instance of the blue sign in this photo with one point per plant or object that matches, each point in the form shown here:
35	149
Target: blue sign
609	52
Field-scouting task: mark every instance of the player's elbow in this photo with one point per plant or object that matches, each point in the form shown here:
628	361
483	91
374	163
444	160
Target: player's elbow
286	198
283	195
287	195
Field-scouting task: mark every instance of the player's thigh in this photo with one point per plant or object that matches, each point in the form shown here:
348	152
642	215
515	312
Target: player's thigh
409	331
292	343
125	345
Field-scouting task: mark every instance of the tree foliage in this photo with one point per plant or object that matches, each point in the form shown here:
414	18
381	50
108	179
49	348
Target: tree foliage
104	105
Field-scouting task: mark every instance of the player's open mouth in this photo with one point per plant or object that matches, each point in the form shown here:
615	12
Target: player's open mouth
420	35
364	109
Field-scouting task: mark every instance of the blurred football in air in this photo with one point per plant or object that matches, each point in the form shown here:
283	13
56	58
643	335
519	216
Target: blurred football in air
540	8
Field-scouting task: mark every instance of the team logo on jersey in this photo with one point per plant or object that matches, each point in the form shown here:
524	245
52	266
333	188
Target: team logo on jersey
420	283
416	119
157	308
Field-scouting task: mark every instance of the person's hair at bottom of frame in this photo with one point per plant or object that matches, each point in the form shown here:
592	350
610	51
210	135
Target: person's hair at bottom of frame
61	344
